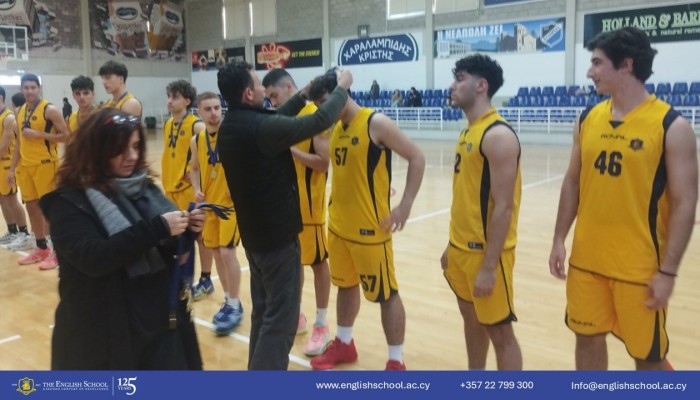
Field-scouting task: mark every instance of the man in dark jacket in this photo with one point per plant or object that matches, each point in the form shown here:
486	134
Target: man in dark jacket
254	149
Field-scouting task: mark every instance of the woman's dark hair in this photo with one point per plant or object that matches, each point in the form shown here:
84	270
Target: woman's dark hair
104	135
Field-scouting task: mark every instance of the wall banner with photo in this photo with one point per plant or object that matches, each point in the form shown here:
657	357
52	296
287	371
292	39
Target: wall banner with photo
297	54
376	50
44	29
542	35
214	59
141	29
662	24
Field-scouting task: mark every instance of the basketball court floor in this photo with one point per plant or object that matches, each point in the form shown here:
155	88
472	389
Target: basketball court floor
434	333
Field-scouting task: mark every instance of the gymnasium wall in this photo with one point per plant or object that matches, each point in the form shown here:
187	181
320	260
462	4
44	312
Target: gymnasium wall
304	19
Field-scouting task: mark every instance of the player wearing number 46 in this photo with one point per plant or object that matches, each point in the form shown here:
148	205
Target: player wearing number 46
479	259
361	221
632	186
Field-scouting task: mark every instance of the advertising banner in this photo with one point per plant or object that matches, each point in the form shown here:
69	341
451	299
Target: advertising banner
511	37
213	59
662	24
297	54
375	50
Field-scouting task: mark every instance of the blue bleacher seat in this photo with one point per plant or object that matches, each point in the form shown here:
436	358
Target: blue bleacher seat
535	91
691	100
663	88
549	101
564	101
675	100
560	91
523	101
523	91
592	100
571	90
650	87
694	88
536	101
680	88
513	102
579	101
547	91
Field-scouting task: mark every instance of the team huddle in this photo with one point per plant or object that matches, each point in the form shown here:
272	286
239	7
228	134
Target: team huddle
631	186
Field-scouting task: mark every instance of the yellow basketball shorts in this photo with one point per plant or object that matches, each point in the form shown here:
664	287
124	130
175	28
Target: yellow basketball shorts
313	242
220	232
597	304
461	272
35	181
181	198
370	265
5	188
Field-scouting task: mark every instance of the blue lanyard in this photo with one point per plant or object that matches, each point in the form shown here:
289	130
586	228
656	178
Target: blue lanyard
174	132
213	155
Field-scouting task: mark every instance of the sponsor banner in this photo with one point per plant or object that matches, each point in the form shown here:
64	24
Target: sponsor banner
490	3
297	54
512	37
213	59
44	29
143	29
376	50
340	385
662	24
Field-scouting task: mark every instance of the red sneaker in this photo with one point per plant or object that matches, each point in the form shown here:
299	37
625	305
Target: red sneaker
336	353
393	365
37	256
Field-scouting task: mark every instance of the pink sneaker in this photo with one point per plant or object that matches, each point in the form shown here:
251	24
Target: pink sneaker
318	342
38	255
337	353
301	326
393	365
49	263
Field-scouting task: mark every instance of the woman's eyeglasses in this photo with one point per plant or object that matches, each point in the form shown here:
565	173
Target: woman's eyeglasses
121	119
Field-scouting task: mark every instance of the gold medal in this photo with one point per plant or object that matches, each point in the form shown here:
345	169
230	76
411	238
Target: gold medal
213	174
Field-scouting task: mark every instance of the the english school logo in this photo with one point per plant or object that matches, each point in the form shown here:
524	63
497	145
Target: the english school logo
636	144
26	386
126	13
127	385
551	33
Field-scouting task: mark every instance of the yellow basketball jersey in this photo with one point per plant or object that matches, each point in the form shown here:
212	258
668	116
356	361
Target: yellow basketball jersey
212	177
622	219
36	151
361	182
312	184
74	120
6	158
175	162
472	201
111	103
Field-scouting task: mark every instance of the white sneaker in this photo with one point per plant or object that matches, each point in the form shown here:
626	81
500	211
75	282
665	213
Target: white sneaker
8	238
22	242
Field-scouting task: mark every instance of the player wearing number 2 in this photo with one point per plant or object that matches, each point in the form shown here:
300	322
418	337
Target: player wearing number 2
632	186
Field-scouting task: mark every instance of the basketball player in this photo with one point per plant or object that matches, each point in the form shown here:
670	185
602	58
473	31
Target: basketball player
311	163
114	76
361	222
83	89
479	259
41	128
221	237
632	186
178	131
12	211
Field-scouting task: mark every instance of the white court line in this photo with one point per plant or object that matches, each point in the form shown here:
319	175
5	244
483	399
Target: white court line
446	210
10	339
245	339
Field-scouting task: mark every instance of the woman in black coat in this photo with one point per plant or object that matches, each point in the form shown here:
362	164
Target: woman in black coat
122	291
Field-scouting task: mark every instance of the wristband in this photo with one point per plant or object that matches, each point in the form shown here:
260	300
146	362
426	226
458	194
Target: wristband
671	274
